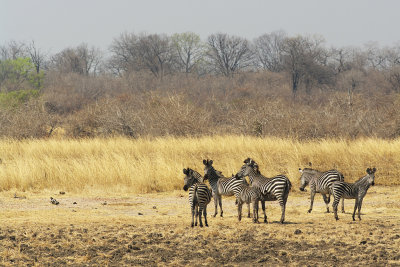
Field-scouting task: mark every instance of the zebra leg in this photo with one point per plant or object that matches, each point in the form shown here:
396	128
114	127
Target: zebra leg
205	216
196	207
220	204
283	208
240	211
193	212
343	205
200	213
215	196
255	211
334	206
326	200
263	208
312	200
359	208
248	215
355	208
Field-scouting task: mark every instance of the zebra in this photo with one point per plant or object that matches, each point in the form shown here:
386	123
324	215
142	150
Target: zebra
227	186
319	183
213	176
199	194
275	188
246	194
357	191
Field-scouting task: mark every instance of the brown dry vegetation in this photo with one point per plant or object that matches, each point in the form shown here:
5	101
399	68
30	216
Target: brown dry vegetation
257	104
154	229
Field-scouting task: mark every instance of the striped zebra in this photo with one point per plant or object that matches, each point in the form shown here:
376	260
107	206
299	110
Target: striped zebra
319	182
199	195
213	177
228	187
356	191
276	188
247	194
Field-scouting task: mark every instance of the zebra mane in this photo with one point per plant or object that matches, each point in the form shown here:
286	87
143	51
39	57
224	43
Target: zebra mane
369	172
219	174
196	175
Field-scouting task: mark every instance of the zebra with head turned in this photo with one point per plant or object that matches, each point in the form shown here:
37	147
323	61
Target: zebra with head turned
247	194
213	176
319	182
356	191
199	195
276	188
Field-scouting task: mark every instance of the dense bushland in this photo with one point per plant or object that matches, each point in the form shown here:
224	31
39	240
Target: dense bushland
273	86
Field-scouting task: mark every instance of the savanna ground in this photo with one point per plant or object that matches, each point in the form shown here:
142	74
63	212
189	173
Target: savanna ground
154	229
131	210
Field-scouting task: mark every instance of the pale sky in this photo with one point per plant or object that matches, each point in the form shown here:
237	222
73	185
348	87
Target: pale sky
58	24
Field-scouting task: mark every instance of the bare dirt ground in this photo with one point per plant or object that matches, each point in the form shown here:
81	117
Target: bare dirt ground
154	229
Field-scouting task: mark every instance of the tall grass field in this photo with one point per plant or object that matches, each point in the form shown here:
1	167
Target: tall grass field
155	165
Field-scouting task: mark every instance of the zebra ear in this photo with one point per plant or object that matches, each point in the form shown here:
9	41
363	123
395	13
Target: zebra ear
374	170
310	164
185	171
300	170
210	162
369	170
246	160
205	162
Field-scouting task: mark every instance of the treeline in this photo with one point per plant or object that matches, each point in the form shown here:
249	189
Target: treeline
156	85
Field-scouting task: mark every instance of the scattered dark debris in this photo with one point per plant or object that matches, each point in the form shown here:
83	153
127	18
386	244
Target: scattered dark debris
297	232
54	201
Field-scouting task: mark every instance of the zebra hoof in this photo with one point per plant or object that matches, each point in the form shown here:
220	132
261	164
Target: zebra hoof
214	215
309	211
206	224
195	224
192	224
201	225
337	218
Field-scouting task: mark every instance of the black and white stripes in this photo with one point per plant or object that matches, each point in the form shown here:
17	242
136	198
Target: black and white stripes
319	182
275	188
199	195
356	191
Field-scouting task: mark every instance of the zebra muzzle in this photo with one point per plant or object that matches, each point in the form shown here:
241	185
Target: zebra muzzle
185	188
302	189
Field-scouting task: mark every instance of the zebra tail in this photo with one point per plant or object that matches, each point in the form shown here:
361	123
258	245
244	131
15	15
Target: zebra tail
288	185
195	192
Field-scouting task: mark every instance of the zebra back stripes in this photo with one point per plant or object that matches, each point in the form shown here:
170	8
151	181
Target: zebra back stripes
199	195
356	191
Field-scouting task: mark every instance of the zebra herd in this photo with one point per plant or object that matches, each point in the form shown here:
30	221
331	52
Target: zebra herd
263	189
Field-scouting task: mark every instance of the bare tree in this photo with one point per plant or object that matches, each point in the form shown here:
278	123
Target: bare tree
153	52
189	50
305	60
82	60
124	54
228	54
13	50
269	51
156	54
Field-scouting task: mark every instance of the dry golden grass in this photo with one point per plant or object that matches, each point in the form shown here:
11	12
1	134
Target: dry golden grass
155	165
